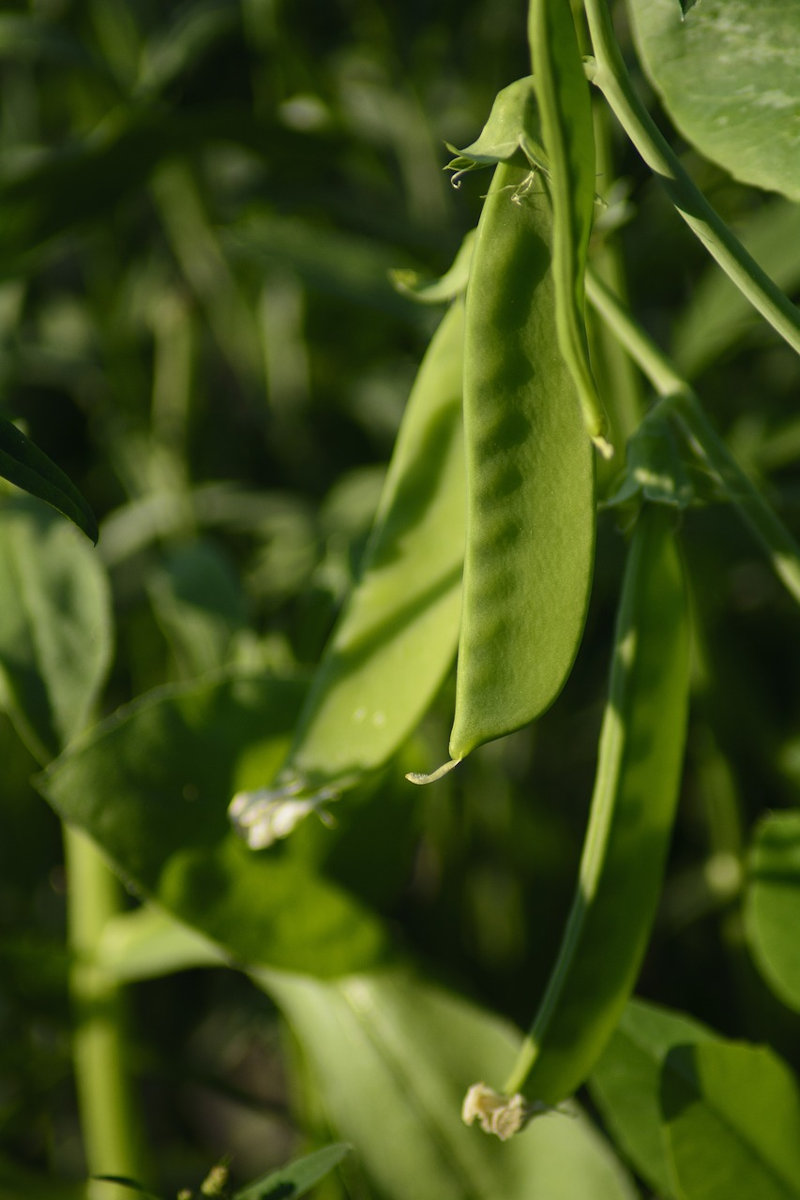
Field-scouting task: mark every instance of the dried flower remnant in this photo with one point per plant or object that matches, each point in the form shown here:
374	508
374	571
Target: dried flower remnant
266	815
498	1114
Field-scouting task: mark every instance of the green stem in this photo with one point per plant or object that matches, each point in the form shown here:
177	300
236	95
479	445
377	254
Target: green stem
108	1117
611	77
680	402
621	387
663	375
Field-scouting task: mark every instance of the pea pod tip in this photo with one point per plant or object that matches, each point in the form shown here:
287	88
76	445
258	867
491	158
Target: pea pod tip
419	777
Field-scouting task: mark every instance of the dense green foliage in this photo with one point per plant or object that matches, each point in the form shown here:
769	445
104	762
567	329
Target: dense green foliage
242	314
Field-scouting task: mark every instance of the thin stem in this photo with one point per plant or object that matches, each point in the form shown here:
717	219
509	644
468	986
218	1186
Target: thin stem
622	385
781	548
611	77
680	402
108	1118
639	345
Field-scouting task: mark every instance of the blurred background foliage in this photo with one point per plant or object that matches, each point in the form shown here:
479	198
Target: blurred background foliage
199	207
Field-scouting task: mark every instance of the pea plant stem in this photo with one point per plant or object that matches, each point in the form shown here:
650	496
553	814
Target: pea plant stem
611	77
680	401
108	1118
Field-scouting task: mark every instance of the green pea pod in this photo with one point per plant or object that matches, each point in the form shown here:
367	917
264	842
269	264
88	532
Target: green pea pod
530	472
397	636
565	115
630	822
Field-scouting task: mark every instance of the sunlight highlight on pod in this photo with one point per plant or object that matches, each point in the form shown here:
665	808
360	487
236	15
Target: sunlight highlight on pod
266	815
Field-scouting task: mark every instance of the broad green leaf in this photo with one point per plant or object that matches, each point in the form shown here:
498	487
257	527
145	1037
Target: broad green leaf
729	77
151	787
24	464
732	1122
55	625
295	1180
772	904
391	1059
625	1085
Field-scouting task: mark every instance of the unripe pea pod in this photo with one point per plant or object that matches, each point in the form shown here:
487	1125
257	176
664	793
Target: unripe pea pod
627	838
530	476
397	634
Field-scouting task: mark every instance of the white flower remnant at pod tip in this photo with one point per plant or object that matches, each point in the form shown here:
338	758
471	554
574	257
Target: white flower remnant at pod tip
498	1114
265	815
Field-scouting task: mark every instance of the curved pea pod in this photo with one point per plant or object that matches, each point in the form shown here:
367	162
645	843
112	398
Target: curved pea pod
397	636
530	474
630	823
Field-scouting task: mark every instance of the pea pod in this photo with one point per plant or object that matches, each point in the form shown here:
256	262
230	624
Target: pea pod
530	473
630	822
397	636
565	115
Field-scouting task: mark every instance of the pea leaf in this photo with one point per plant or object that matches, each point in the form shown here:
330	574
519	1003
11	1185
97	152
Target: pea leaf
772	904
732	1122
391	1058
55	624
625	1085
24	464
151	787
730	80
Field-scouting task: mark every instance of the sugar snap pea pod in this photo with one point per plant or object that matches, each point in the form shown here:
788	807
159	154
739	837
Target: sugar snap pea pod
397	635
530	472
565	115
630	822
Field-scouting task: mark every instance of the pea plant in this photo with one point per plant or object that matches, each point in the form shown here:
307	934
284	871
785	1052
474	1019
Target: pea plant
306	883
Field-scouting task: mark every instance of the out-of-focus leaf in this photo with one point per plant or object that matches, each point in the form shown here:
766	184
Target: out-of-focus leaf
718	315
391	1060
148	943
625	1085
151	786
192	32
18	1183
772	904
27	38
729	77
732	1122
199	605
74	187
24	464
329	260
55	625
294	1180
